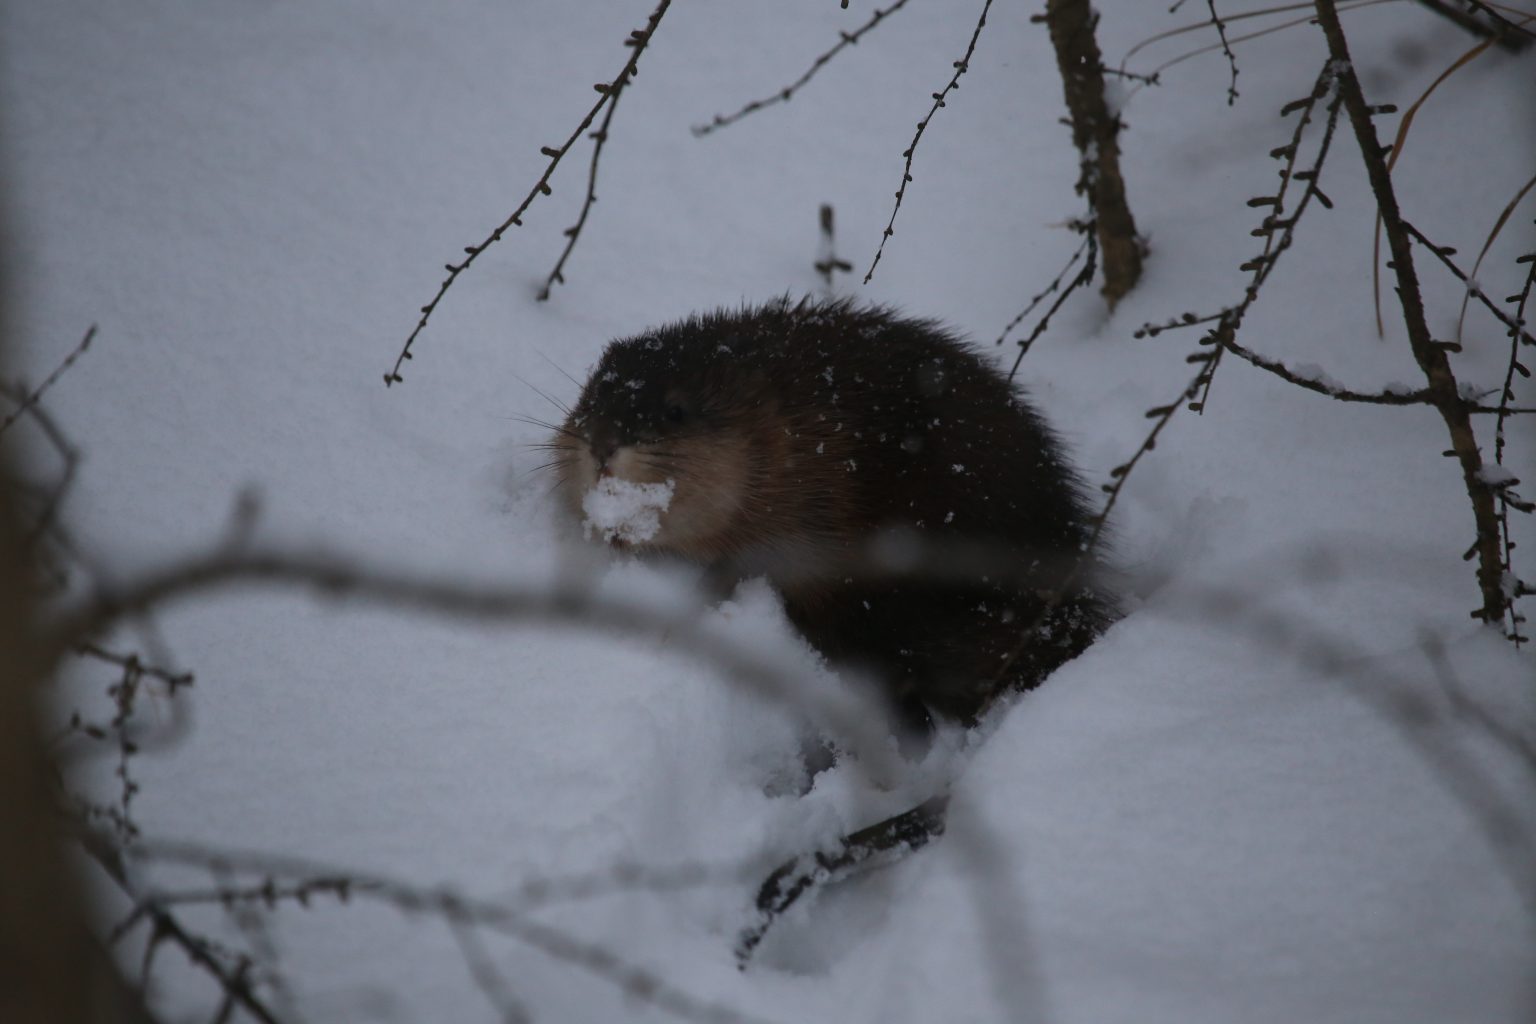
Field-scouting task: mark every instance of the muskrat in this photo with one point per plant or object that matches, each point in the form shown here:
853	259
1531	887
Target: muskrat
913	510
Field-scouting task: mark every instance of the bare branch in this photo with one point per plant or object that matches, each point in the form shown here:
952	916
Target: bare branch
961	66
1090	246
1431	357
321	573
233	980
572	233
36	396
464	912
1400	140
1155	75
785	94
482	968
1221	31
1498	226
1278	230
1507	34
1473	291
131	662
607	92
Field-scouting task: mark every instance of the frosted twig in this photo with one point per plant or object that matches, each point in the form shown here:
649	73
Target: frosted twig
784	95
895	836
961	66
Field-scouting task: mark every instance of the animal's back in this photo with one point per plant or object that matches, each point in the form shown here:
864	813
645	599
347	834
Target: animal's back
916	513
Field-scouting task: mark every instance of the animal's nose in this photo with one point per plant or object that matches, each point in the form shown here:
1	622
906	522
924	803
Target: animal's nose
604	443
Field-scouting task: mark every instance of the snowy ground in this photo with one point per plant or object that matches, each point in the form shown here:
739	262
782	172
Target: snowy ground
1202	819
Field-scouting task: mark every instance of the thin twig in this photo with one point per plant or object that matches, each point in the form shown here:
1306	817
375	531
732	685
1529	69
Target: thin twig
846	714
1221	31
1506	496
464	912
1279	228
1207	357
269	893
572	233
1399	141
36	396
608	91
785	94
1088	246
1322	386
234	982
1493	233
46	522
1509	36
483	970
1278	231
1473	291
174	680
1303	5
961	66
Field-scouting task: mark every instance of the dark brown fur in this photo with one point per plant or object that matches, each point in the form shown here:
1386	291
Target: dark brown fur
913	510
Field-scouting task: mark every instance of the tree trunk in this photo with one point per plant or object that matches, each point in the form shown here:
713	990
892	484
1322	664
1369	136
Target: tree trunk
1095	133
